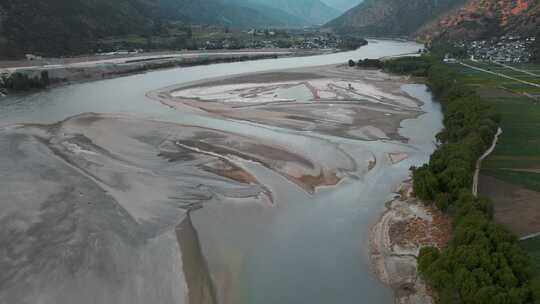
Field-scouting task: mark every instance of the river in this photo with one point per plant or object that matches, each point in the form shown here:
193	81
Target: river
309	247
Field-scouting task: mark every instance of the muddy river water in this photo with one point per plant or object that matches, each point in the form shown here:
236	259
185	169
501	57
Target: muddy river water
251	182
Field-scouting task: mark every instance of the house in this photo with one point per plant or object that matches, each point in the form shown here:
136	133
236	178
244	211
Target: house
32	57
448	59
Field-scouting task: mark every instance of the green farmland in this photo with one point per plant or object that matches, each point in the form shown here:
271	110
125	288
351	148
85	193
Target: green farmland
516	159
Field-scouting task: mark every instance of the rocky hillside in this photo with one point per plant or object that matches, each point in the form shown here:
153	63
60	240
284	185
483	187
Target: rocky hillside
478	19
391	17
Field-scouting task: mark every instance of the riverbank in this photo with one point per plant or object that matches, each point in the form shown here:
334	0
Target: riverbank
55	72
405	227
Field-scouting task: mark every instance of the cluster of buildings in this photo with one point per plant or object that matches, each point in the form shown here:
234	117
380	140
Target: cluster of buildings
509	49
318	42
269	39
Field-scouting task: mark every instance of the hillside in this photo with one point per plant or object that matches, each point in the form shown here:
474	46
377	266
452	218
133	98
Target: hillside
57	25
442	19
391	17
63	27
478	19
307	12
230	13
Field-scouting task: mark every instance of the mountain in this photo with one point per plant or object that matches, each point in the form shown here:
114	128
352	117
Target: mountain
278	17
308	12
58	25
61	27
391	17
342	5
249	13
478	19
228	13
442	19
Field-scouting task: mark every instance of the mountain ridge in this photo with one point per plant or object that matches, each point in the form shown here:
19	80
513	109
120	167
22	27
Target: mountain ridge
309	12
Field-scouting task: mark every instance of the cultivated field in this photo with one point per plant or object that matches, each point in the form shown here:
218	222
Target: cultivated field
511	175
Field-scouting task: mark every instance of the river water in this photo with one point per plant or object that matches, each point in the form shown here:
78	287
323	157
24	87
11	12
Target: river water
310	248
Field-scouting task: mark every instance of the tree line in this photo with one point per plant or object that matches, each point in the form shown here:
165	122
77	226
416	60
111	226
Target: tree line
483	262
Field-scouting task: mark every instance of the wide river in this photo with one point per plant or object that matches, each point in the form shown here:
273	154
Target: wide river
309	248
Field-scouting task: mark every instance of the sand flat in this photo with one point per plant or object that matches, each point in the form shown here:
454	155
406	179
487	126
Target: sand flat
333	100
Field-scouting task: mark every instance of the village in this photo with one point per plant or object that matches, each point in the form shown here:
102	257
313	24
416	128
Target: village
272	39
508	48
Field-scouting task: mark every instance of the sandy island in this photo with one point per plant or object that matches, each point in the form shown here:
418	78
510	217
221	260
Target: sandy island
332	100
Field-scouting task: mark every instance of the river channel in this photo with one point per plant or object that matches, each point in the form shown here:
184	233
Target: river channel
290	224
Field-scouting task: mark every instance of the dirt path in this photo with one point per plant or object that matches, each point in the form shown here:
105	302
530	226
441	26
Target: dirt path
479	161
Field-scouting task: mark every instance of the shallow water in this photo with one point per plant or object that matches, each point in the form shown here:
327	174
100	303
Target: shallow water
307	248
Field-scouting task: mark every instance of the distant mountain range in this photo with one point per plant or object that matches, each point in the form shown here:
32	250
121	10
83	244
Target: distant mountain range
311	12
63	26
441	19
248	13
67	26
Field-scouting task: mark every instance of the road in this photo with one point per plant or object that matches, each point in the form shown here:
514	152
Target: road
516	69
96	60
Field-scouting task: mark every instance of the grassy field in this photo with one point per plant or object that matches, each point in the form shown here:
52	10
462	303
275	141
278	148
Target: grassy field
517	156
